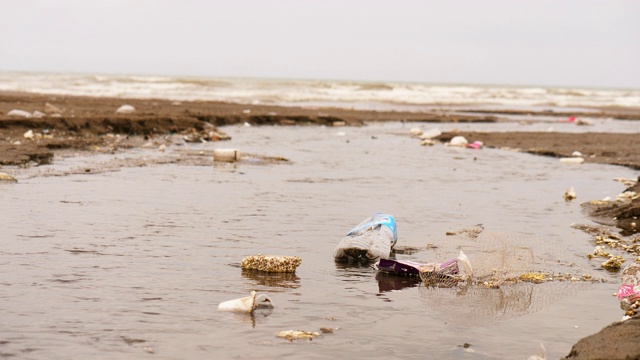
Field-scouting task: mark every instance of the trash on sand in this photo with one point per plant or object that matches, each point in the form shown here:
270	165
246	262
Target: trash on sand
570	194
430	134
4	177
448	273
226	155
475	145
297	334
572	160
458	141
247	304
21	113
629	292
371	239
271	263
125	109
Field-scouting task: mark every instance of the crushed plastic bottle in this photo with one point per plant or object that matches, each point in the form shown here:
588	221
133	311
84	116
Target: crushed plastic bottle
370	240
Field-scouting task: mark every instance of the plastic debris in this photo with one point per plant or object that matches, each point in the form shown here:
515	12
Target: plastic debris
458	141
297	335
28	134
570	194
629	292
247	304
576	154
416	132
271	263
447	274
475	145
125	109
21	113
4	177
226	155
430	134
370	240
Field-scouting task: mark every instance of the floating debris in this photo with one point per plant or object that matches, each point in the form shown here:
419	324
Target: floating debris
570	194
226	155
297	335
4	177
247	304
271	263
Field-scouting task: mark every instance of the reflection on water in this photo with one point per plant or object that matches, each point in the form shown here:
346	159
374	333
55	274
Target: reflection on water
388	282
480	303
284	279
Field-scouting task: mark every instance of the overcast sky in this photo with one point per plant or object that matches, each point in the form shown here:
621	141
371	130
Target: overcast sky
537	42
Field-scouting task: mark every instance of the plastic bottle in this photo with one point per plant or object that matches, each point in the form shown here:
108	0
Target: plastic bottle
370	240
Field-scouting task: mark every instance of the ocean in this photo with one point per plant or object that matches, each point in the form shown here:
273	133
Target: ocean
318	93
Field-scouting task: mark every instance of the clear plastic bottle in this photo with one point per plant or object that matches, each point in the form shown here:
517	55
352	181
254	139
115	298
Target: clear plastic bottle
372	239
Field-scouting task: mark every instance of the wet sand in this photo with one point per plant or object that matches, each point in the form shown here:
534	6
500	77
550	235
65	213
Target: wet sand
91	124
85	122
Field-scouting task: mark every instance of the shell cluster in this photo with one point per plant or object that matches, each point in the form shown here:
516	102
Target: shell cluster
271	263
297	334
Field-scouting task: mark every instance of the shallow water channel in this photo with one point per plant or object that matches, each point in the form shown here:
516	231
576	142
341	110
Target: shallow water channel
133	263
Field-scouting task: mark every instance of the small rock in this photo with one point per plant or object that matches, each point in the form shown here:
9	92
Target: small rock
572	160
430	134
28	134
416	132
162	148
125	109
576	154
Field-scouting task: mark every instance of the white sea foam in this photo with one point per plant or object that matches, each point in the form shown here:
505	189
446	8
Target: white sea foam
320	93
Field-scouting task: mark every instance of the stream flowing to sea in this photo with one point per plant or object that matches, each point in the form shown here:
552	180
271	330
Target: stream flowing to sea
133	263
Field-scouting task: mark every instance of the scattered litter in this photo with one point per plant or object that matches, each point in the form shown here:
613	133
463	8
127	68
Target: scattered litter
125	109
572	160
297	335
226	155
430	134
247	304
576	154
370	240
458	141
416	131
38	114
51	109
475	145
21	113
447	274
28	134
4	177
570	194
271	263
629	292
